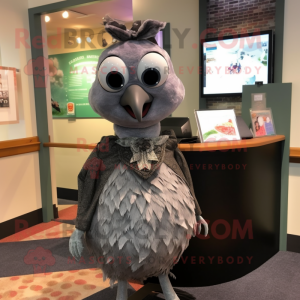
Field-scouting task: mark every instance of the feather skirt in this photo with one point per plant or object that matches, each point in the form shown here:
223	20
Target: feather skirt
141	227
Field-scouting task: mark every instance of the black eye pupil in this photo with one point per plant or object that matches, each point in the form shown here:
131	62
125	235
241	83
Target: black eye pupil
151	77
115	80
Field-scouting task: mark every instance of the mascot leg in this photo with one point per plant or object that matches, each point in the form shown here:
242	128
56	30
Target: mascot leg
167	288
122	290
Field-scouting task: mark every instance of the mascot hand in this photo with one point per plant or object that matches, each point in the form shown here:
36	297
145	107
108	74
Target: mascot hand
200	222
75	244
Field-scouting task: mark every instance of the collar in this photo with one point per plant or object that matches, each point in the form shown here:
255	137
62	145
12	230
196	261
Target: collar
143	149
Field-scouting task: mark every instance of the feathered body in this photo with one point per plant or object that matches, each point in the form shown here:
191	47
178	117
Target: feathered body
141	227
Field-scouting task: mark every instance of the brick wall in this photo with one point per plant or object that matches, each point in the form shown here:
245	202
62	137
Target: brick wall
237	15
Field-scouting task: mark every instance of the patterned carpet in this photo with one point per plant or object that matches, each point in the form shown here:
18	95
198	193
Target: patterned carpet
39	285
22	278
59	285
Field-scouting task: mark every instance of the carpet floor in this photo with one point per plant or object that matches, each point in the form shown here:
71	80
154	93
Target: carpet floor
277	279
108	293
15	257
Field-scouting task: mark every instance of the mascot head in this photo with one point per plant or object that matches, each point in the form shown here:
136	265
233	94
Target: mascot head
135	86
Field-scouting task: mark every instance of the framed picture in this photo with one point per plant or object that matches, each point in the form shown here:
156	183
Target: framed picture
217	125
8	96
262	122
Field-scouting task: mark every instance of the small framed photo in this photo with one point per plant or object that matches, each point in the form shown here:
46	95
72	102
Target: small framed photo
217	125
8	96
262	122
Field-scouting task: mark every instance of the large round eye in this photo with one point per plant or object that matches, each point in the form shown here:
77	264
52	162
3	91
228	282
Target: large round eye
113	74
153	70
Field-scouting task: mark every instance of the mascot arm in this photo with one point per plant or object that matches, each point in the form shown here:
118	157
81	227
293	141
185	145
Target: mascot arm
76	244
87	181
186	172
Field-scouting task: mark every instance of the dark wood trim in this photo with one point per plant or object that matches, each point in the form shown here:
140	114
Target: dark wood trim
55	211
295	155
293	243
19	146
67	194
28	220
295	160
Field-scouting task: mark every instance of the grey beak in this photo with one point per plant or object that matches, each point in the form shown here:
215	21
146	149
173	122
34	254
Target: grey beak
136	97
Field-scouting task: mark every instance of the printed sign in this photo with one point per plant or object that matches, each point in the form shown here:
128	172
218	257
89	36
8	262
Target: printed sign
217	125
75	75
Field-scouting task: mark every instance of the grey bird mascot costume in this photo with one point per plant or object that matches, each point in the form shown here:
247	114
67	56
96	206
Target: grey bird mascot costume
136	206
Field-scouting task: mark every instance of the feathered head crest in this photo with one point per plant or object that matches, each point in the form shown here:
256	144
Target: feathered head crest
146	30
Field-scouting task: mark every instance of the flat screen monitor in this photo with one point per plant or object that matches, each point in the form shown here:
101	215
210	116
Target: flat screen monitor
231	62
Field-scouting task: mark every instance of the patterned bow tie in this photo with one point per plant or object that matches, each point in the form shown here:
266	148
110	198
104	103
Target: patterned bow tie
143	149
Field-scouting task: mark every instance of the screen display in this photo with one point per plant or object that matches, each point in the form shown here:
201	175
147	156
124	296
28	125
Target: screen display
231	63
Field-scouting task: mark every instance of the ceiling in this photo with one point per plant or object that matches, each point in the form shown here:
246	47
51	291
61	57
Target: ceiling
90	16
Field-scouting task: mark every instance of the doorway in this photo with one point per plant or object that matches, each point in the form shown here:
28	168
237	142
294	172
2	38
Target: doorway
69	36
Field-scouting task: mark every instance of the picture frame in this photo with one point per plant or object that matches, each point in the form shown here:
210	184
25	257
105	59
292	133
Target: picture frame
217	125
9	113
262	122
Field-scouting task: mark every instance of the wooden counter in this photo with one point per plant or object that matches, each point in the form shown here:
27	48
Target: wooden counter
255	142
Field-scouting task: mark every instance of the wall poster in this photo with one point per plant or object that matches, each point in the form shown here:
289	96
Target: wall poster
74	75
8	96
4	92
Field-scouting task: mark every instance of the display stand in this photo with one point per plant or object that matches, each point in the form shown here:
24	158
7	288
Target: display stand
279	98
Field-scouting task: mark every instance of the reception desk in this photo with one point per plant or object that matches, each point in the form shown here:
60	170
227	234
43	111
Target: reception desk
238	187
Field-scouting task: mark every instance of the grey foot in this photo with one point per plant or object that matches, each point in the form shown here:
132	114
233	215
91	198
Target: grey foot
122	290
167	288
